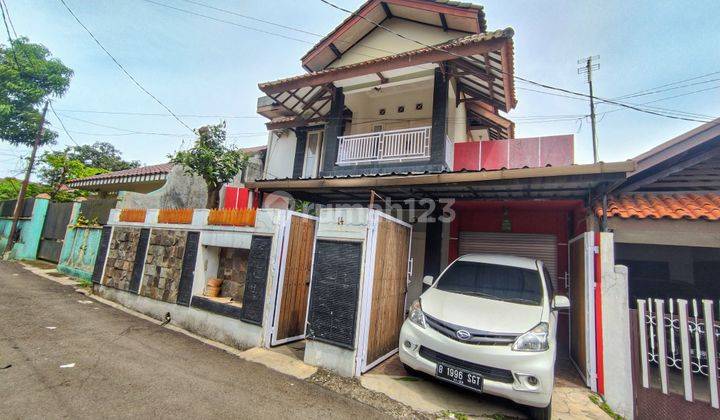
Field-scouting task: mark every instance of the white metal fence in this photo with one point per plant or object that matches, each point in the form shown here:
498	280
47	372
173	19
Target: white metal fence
395	145
675	337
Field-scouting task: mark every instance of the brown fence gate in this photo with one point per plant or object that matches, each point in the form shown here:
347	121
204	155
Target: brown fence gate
293	285
53	231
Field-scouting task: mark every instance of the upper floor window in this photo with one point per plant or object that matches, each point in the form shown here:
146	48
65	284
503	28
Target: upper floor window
313	150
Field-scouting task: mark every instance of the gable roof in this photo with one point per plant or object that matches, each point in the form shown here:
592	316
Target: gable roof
691	155
445	14
487	73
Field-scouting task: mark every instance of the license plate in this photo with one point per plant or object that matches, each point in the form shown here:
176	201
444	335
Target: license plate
458	376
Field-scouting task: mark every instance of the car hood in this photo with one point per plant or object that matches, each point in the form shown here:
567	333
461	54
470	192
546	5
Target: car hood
480	313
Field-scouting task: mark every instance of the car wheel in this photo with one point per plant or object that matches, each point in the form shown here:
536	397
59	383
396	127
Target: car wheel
410	371
541	413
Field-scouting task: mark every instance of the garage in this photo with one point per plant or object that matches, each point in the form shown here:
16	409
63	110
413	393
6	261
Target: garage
536	246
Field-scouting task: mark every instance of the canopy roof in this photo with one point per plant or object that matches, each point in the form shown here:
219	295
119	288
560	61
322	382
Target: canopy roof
562	182
445	14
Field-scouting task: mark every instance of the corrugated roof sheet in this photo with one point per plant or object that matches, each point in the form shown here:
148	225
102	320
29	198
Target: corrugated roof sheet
688	206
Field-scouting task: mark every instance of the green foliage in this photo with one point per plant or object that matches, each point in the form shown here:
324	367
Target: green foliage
101	155
212	159
597	400
57	168
10	187
28	77
84	221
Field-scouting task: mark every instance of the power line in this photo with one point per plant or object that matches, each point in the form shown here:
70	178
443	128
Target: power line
7	11
62	124
9	37
279	25
667	84
120	66
543	85
190	12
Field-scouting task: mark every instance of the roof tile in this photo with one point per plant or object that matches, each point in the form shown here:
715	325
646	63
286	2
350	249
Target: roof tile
690	206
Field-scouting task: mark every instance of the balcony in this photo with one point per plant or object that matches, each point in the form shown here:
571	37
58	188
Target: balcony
536	152
384	146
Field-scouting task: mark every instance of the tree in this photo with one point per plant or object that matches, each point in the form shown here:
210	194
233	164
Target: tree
58	168
212	160
28	77
10	187
101	155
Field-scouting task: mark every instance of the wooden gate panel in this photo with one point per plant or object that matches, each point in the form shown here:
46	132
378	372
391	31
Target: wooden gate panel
296	281
387	311
578	346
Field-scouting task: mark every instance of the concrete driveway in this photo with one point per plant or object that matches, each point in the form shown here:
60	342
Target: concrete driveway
72	357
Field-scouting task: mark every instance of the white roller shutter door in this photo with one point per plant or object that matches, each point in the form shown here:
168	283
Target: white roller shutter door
536	246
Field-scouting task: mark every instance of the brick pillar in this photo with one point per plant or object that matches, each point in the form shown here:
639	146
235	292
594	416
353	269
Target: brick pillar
333	129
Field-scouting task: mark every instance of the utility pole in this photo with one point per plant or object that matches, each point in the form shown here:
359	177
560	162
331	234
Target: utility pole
591	64
19	204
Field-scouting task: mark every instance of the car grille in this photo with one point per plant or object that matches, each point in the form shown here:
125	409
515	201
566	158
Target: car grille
490	373
475	336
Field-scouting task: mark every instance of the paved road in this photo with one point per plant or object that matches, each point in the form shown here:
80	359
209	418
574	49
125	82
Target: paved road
127	367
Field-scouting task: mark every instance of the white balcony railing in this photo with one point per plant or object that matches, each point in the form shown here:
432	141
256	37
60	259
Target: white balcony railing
383	146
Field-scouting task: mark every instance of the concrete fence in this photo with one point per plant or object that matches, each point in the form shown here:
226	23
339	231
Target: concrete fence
80	247
29	230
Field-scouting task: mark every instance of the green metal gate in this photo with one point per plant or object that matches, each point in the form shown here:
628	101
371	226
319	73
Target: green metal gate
53	232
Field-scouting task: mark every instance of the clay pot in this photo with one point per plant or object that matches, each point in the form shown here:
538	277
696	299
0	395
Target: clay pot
212	291
214	282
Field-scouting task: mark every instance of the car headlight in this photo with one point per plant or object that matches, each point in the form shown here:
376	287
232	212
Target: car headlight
533	340
416	315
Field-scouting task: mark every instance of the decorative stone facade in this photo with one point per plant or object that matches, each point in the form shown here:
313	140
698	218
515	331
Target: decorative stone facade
121	257
163	265
232	269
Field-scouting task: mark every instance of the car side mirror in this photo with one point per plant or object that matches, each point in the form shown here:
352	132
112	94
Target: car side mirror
560	302
428	280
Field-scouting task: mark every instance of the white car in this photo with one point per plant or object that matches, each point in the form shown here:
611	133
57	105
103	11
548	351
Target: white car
488	324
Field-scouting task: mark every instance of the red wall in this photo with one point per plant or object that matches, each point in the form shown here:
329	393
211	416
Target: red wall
514	153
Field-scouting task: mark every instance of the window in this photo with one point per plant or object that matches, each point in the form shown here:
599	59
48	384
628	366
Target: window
492	281
313	149
377	128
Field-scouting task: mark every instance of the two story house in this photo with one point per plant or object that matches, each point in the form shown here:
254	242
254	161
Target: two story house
406	102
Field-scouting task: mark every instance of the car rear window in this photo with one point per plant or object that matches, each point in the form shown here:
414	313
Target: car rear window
492	281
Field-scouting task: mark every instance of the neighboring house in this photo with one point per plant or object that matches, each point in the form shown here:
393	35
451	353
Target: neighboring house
666	218
168	186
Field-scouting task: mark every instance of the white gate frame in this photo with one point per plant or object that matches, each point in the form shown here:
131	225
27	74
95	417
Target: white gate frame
590	339
276	286
361	365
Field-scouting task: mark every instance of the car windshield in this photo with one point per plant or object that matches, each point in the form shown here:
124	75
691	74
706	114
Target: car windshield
492	281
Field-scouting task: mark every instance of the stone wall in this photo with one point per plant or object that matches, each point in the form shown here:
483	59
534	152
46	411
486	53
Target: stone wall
232	269
121	257
163	265
180	191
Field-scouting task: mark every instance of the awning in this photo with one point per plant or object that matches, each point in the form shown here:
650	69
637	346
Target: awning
566	182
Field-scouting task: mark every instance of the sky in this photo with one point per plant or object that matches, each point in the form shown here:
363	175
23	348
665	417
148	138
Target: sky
207	70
